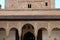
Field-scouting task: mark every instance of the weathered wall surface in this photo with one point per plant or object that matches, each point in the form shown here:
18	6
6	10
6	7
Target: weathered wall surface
23	4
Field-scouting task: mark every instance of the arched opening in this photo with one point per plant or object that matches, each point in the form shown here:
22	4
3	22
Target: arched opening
13	34
27	29
2	34
42	34
55	34
28	36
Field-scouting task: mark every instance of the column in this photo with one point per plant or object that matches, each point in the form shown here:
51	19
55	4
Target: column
20	34
7	31
49	35
49	32
35	34
36	31
7	35
20	29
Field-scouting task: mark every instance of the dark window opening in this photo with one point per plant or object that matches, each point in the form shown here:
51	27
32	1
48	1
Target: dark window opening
29	36
39	37
17	35
29	5
46	4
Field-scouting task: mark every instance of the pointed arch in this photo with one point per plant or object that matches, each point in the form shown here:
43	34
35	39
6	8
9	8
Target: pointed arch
28	25
27	28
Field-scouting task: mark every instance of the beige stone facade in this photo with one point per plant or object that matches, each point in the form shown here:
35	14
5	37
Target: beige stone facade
48	25
36	4
41	19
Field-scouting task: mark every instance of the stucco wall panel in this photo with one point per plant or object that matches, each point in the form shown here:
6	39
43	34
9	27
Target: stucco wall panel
30	12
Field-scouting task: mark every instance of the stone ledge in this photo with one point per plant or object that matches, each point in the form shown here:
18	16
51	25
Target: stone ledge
31	17
28	9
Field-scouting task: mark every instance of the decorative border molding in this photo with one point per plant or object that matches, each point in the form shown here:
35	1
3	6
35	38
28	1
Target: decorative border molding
30	17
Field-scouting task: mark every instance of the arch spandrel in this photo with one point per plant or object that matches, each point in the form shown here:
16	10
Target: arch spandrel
42	24
3	24
13	24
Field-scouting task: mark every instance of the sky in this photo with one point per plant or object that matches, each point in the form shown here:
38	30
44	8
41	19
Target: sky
2	2
57	3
